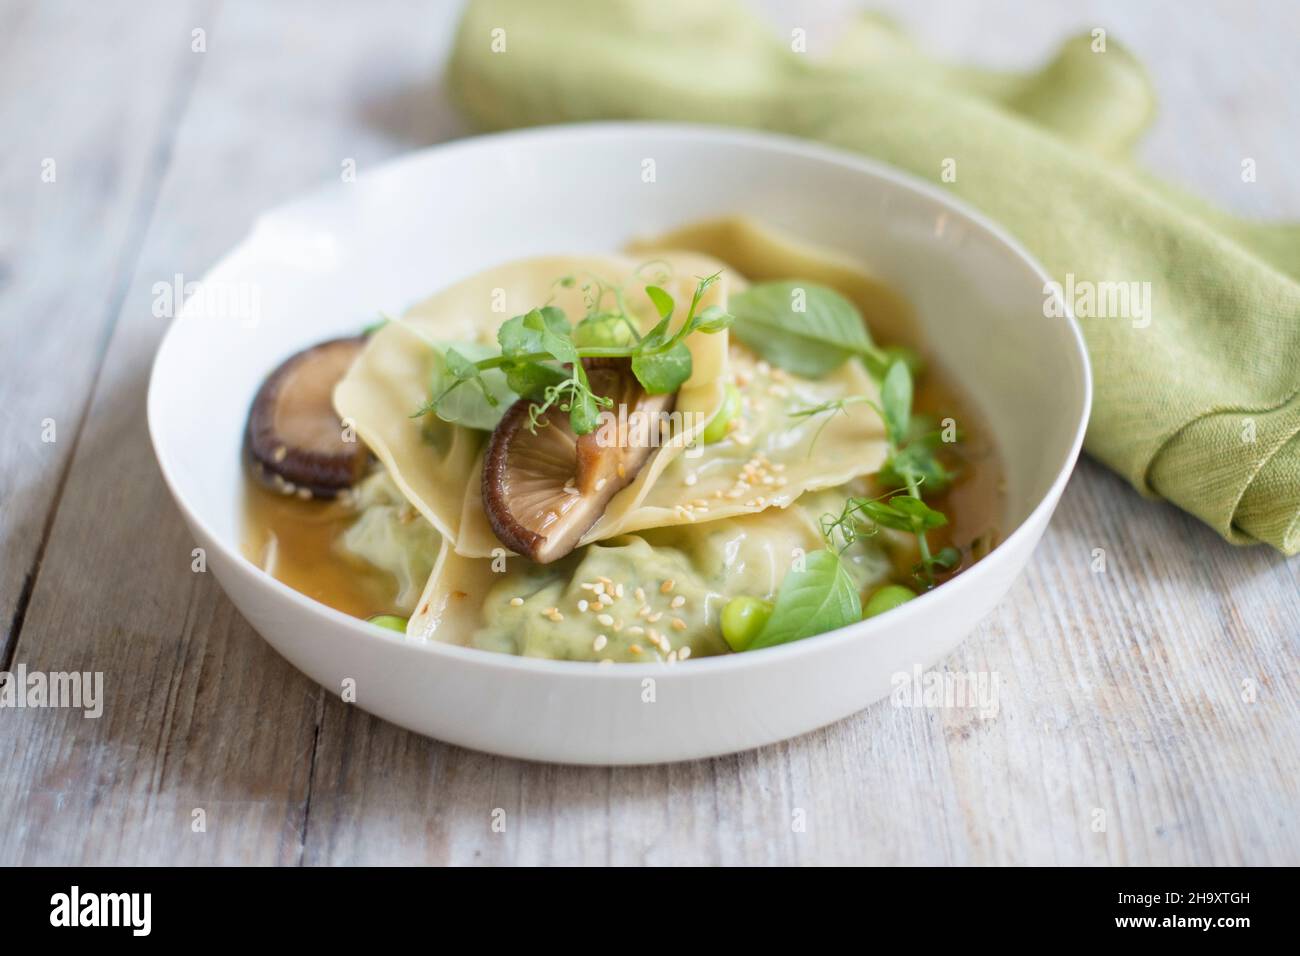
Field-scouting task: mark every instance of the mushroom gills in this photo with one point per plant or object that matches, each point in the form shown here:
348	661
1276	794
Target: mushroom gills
544	490
295	439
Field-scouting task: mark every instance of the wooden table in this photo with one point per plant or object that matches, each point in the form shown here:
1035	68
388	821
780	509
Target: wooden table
1149	713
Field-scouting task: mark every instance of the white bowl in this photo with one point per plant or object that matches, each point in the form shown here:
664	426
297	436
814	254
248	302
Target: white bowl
323	265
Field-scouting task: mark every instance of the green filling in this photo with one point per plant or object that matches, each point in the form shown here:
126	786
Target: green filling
708	564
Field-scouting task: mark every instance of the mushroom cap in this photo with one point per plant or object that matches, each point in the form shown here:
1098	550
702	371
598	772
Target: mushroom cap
294	437
544	490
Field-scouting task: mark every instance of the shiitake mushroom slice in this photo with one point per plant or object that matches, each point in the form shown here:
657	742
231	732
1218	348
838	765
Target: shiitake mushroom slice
544	490
295	438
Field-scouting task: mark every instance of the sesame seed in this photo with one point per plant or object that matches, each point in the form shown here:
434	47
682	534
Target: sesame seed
679	624
606	619
677	602
692	478
599	588
587	586
606	660
655	616
606	600
618	590
583	605
636	649
636	629
672	657
639	594
643	610
516	601
599	643
601	483
684	653
667	586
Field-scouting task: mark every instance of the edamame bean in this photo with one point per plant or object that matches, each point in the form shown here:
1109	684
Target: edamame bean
886	599
717	428
742	618
390	621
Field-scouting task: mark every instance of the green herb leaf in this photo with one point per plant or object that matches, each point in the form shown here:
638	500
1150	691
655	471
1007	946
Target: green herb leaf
915	463
947	558
528	333
662	372
663	302
606	330
713	319
819	598
532	379
553	334
896	402
480	407
921	515
813	342
584	412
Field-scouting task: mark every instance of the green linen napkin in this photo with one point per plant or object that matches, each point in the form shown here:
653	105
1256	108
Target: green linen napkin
1197	401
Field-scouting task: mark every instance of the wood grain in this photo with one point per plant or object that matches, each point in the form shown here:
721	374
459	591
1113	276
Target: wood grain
85	148
1149	712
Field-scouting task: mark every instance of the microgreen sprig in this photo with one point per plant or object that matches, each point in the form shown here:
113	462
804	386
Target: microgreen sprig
541	353
910	465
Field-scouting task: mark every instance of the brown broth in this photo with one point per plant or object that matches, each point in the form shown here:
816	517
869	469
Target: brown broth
975	501
295	542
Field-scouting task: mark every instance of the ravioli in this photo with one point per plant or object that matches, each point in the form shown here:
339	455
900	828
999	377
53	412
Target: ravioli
663	589
768	460
437	465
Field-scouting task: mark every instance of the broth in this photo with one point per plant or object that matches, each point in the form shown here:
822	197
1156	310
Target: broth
294	541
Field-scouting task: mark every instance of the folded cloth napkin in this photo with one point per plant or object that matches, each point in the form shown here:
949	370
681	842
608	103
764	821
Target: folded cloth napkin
1197	396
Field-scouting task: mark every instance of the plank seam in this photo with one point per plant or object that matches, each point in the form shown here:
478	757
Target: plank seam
130	258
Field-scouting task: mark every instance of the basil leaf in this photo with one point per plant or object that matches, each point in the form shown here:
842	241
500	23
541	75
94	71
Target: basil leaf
812	342
662	372
820	598
896	402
